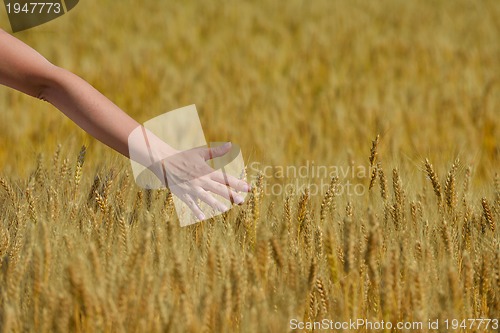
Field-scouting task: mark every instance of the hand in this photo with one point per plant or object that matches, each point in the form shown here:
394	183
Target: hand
189	177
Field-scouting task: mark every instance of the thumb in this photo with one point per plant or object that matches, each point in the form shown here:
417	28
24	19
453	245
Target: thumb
217	151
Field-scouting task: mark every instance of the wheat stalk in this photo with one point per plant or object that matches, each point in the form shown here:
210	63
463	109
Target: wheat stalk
488	216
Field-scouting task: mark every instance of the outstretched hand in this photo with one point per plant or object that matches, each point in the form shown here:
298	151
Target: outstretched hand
189	177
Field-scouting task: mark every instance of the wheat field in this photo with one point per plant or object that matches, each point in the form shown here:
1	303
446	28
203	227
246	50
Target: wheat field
402	95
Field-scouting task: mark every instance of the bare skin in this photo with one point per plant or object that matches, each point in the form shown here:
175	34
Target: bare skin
24	69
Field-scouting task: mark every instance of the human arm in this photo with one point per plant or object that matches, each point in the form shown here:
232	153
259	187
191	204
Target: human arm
24	69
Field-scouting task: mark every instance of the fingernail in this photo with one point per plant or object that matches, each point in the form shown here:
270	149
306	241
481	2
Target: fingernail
201	216
238	200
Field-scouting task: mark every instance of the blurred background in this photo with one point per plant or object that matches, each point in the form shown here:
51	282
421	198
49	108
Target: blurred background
290	81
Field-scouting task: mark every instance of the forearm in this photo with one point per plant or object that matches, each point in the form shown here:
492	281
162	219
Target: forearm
89	109
24	69
105	121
